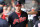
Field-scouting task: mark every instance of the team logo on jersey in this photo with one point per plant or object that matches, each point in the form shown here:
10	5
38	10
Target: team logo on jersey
16	21
21	19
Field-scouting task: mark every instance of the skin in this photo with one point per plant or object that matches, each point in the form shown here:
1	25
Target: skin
32	12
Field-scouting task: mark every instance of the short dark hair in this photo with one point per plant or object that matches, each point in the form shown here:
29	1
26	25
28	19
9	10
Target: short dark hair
17	3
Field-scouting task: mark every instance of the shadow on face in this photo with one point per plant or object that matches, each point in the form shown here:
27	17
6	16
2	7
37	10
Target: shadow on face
18	7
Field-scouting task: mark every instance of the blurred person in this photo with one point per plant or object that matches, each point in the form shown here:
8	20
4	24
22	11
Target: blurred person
37	24
5	11
37	12
18	18
3	23
3	16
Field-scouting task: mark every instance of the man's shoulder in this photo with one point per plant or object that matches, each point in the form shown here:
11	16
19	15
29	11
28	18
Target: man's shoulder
24	12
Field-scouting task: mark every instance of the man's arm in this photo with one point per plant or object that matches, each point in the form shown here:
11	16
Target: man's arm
32	12
26	25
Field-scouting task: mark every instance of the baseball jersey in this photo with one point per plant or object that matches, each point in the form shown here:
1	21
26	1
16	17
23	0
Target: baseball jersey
18	19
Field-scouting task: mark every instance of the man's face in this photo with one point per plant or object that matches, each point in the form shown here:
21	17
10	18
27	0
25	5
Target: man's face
18	7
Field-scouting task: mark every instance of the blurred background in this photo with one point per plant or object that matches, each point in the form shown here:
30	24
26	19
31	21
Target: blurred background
28	4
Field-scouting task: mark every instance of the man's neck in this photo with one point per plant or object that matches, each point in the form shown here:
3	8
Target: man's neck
18	11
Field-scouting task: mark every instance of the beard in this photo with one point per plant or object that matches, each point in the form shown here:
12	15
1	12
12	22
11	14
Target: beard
18	11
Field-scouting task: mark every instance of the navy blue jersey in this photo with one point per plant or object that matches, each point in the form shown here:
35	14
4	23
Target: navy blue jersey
3	23
16	21
37	24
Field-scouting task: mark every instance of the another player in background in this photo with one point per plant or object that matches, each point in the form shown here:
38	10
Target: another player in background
3	23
